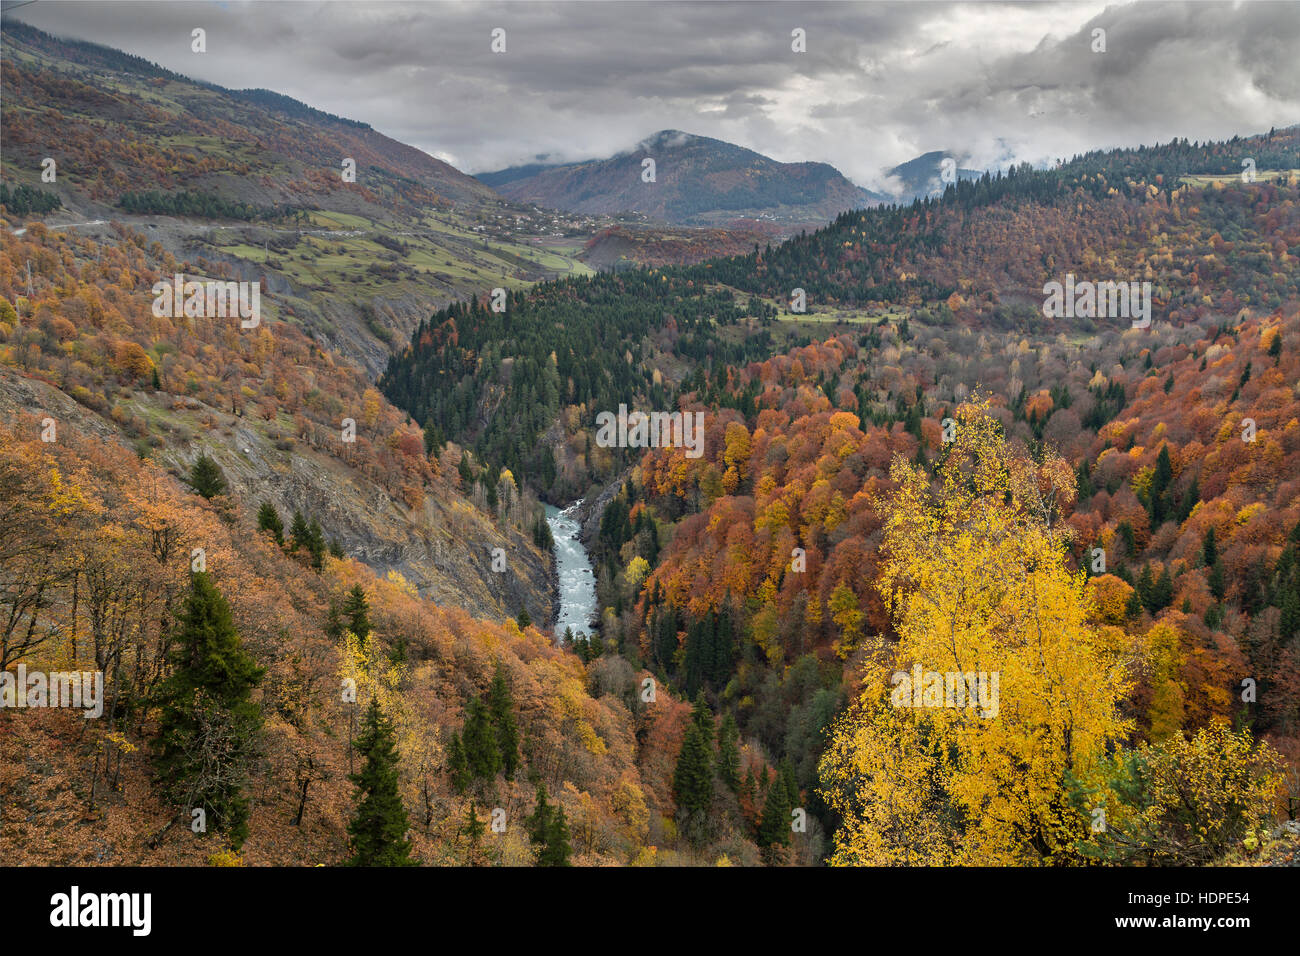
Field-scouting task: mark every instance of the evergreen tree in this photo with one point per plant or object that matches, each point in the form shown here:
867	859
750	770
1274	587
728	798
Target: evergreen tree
334	621
482	751
316	544
501	707
206	477
208	726
693	783
268	519
703	718
558	850
457	764
538	824
1209	548
1161	592
356	612
1133	606
299	532
474	827
379	825
775	828
1218	580
523	620
729	753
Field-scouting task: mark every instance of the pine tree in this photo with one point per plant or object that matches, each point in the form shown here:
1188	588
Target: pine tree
1133	606
474	827
1209	548
775	828
693	783
299	532
501	707
1162	592
208	724
356	612
702	717
729	753
523	620
557	850
1145	586
482	751
268	519
334	621
316	544
458	764
538	823
206	477
1218	580
379	825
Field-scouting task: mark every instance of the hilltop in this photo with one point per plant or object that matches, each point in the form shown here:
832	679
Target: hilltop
698	181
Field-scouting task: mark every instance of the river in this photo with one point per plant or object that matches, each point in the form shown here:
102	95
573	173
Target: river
577	581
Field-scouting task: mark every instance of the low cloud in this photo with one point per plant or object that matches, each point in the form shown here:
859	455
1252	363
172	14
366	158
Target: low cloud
879	84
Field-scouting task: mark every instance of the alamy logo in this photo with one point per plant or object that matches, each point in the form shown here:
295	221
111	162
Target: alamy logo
102	909
952	689
655	430
84	689
1098	300
208	299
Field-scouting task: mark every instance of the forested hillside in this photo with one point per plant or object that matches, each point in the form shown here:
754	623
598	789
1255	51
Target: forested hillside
360	234
308	553
769	577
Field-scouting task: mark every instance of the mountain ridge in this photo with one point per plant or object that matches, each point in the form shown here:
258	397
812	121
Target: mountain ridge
699	181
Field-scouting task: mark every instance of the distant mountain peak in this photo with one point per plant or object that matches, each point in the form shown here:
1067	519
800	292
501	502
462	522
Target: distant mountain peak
700	181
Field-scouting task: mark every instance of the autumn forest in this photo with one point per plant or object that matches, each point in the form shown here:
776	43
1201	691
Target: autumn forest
950	580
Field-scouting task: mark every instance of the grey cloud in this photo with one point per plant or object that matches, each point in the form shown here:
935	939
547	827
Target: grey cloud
880	83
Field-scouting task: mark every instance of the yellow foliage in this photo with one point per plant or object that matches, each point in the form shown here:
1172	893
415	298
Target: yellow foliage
974	575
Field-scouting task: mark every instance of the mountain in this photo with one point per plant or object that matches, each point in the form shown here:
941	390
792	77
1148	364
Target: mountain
698	181
870	473
923	176
255	179
768	576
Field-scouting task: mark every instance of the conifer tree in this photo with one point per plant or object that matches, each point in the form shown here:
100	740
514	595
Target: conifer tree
457	764
299	532
702	717
558	850
379	825
474	827
206	477
501	708
482	751
316	544
539	821
1218	580
268	519
209	724
1209	548
693	783
775	828
356	612
729	753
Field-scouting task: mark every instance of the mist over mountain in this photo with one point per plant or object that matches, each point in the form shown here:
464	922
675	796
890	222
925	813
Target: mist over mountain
698	180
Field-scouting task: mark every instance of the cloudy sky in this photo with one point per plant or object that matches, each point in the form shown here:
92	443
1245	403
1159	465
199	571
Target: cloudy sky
879	83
